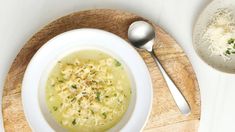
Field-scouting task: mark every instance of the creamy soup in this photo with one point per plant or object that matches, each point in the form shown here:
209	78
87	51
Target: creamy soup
88	91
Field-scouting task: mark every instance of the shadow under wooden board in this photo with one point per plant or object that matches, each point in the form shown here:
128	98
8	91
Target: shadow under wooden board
165	116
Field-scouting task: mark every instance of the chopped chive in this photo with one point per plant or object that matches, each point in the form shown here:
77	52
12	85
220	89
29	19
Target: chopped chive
105	115
117	63
227	52
106	96
69	97
92	112
74	122
55	108
61	81
74	86
97	96
230	41
73	99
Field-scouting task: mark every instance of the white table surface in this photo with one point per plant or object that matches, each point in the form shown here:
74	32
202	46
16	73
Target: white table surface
20	19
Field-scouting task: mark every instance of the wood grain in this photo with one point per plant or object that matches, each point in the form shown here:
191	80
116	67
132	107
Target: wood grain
165	116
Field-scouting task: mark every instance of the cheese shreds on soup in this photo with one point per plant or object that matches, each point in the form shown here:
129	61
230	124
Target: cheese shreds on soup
88	90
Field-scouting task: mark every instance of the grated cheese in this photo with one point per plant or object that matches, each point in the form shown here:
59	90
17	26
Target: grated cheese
220	30
88	94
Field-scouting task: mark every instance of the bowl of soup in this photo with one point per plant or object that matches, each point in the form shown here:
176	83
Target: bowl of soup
87	80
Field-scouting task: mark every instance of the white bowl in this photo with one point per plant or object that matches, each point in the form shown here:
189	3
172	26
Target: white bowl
33	87
201	47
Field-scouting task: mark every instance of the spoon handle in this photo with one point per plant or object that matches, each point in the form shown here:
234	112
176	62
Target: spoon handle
177	95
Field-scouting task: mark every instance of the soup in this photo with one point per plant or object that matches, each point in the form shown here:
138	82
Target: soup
88	91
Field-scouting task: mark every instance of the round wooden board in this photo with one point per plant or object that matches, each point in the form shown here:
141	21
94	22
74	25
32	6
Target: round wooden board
165	116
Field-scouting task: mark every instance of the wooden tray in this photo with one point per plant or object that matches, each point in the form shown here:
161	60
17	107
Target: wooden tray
165	116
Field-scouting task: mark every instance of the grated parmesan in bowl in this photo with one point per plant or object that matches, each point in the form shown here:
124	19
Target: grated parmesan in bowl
220	34
214	35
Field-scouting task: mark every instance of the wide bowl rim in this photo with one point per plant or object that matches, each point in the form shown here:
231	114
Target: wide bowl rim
28	73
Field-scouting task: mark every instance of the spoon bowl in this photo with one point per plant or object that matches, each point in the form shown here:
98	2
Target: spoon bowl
140	32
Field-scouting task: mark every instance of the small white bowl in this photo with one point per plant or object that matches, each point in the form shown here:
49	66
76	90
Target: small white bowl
33	87
201	47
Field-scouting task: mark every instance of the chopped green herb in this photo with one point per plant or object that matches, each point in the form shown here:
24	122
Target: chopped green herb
227	52
79	111
97	96
115	94
73	99
105	115
55	108
231	40
61	81
74	122
117	63
233	52
92	112
74	86
106	96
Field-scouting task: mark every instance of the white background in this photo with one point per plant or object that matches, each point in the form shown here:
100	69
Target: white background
19	19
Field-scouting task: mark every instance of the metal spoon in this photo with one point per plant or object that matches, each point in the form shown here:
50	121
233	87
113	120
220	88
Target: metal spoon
141	34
